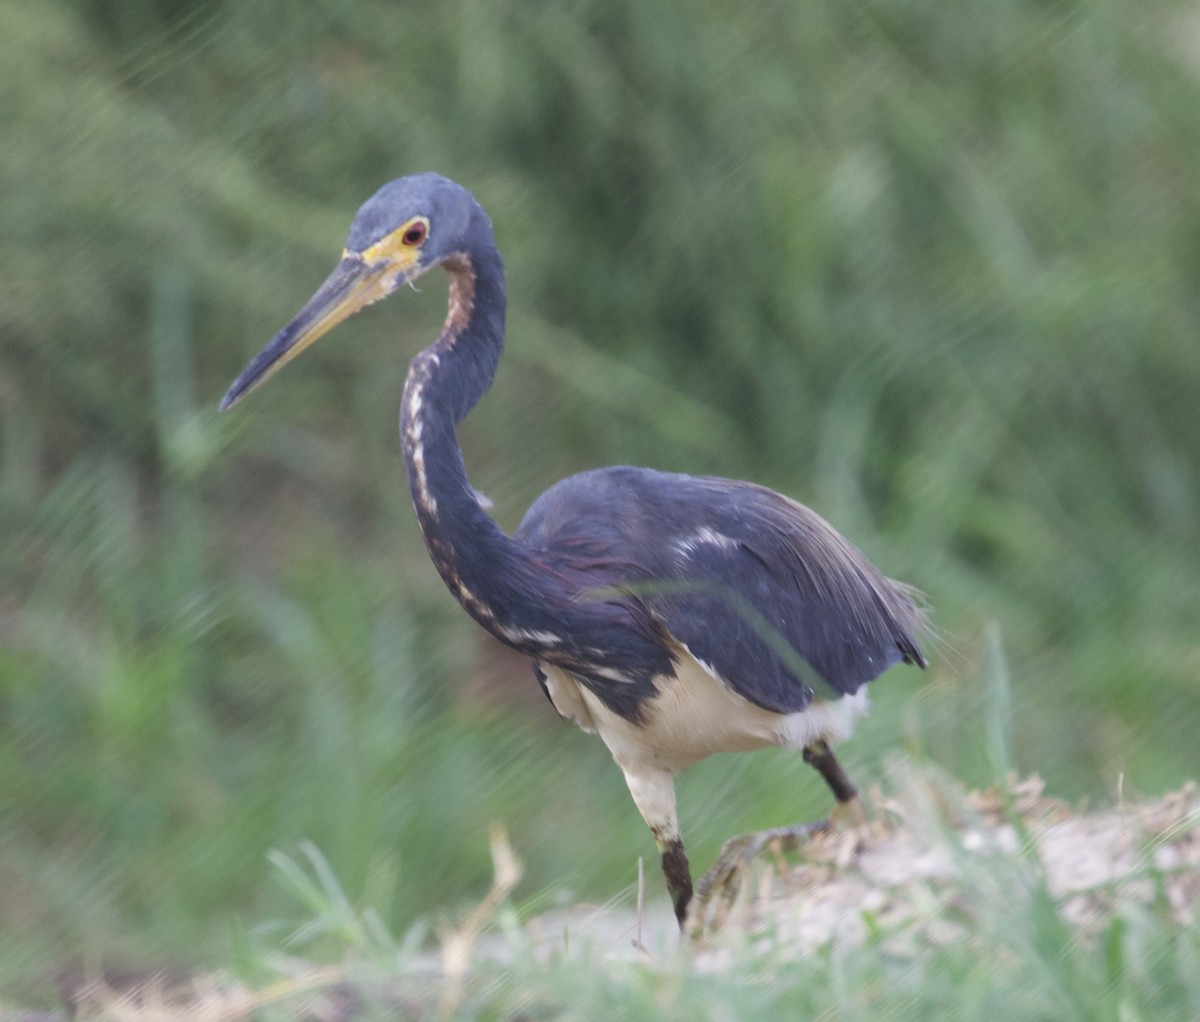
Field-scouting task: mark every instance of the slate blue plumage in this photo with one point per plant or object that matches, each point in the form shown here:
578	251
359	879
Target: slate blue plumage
784	608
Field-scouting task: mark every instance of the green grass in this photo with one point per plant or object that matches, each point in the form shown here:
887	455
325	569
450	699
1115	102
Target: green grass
993	943
931	272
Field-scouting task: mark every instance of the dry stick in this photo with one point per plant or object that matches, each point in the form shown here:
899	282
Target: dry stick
640	901
457	943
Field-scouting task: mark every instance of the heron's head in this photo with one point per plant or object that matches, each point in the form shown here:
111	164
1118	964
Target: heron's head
407	227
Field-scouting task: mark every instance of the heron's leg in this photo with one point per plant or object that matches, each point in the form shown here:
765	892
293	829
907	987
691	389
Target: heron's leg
678	874
654	794
848	808
718	888
821	757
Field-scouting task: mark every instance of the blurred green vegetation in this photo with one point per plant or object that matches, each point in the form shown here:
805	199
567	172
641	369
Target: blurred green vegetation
932	270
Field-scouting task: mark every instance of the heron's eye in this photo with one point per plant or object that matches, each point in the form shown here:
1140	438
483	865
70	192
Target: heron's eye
414	234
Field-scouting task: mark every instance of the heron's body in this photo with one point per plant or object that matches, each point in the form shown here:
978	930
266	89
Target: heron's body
694	713
729	695
676	616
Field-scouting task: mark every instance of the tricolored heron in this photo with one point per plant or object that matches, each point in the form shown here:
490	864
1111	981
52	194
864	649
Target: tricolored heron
676	616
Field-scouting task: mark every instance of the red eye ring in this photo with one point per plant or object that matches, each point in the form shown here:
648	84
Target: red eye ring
414	234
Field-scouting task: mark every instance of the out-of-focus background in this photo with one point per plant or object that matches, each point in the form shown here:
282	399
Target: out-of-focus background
933	270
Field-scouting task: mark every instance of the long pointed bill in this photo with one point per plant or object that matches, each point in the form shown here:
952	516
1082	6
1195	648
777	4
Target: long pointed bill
354	285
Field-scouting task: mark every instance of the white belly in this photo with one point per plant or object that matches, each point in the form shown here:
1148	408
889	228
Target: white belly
695	715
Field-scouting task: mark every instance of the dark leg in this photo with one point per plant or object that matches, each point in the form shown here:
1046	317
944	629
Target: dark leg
820	756
654	793
679	878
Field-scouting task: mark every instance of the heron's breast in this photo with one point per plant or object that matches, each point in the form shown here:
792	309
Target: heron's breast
693	715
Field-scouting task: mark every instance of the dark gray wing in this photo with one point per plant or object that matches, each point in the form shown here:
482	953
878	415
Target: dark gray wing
756	586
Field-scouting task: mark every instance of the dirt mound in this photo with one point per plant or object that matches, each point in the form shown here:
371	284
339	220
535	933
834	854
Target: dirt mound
936	862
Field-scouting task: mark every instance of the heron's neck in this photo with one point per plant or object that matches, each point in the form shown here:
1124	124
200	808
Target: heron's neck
528	599
444	383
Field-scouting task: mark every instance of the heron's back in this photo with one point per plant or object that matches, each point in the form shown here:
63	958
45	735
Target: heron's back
755	586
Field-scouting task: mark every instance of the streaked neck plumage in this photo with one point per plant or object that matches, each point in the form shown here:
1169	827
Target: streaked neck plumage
444	383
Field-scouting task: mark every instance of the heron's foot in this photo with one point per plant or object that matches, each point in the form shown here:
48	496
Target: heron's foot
717	891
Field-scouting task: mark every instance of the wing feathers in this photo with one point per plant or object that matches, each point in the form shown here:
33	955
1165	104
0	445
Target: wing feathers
752	583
